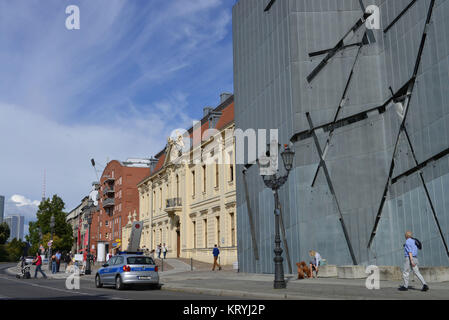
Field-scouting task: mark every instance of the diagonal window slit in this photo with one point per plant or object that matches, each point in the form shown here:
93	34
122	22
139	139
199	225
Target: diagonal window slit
399	16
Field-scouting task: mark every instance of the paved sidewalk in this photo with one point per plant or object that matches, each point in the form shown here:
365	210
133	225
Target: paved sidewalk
176	266
260	286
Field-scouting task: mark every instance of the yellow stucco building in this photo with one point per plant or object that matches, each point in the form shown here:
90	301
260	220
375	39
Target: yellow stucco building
189	200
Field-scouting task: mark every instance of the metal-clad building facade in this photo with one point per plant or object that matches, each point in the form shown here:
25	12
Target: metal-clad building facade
272	69
2	208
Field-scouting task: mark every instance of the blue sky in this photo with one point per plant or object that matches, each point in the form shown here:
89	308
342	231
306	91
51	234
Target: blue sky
116	88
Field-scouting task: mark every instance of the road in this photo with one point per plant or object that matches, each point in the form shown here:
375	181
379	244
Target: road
52	289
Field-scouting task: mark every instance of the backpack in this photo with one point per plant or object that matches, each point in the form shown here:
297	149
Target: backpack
418	243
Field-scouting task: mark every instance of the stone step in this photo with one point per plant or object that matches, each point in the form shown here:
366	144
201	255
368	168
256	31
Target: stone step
328	271
392	273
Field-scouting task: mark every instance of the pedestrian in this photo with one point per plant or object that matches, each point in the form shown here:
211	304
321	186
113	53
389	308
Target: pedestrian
152	254
216	253
58	260
68	259
164	250
158	251
411	262
53	264
38	263
315	263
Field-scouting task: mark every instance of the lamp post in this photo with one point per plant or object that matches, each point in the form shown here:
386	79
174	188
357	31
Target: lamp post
52	226
274	182
89	222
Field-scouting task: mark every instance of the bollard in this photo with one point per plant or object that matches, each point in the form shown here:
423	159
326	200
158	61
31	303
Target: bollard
191	264
162	265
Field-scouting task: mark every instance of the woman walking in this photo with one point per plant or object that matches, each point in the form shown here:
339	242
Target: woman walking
38	263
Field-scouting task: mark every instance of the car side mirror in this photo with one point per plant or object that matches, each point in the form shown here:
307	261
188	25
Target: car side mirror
105	265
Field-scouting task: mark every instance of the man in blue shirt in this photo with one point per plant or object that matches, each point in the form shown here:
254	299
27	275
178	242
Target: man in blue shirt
216	252
411	262
58	261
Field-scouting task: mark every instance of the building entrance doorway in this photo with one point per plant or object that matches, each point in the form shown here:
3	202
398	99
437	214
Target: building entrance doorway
178	240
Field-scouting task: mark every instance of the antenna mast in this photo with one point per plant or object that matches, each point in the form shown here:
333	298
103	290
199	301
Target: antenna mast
44	185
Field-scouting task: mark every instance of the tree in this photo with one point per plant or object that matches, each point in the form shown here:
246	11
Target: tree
4	256
15	249
4	233
40	231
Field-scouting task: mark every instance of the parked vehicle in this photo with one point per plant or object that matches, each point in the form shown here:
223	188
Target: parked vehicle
29	260
128	269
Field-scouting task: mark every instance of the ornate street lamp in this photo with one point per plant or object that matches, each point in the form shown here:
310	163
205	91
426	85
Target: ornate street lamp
88	218
274	182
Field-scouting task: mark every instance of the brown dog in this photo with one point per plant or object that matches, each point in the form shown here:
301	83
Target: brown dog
303	270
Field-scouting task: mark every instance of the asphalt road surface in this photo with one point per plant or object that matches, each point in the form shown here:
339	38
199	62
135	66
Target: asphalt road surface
12	288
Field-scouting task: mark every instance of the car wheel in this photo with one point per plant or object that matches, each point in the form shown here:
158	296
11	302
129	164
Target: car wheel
98	283
119	284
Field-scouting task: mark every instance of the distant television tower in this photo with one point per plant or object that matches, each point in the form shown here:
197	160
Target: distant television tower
44	186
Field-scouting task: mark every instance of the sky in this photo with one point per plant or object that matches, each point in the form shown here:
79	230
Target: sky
114	89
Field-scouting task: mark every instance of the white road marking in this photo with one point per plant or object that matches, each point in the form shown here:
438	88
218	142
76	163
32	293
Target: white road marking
55	289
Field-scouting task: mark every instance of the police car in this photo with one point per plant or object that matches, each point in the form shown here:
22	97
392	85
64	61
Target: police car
128	268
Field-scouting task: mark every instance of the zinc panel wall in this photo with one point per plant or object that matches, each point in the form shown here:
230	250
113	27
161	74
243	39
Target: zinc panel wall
272	62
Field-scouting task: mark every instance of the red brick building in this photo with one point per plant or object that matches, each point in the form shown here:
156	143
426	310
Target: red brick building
118	200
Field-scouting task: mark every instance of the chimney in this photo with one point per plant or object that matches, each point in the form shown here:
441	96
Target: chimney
224	96
207	110
153	163
214	116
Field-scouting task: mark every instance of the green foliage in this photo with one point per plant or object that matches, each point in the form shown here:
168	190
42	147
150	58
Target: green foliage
12	251
4	256
40	231
4	233
15	249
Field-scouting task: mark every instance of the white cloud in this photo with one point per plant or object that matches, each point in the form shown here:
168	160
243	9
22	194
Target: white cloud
21	201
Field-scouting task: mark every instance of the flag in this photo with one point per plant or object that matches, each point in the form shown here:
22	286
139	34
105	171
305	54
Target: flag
79	233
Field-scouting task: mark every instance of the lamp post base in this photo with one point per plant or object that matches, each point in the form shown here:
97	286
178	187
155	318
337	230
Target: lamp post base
88	267
279	284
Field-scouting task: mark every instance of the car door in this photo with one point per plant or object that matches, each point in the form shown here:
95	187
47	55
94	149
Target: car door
118	265
106	273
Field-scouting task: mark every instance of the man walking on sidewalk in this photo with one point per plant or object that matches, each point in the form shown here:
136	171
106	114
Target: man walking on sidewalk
411	262
216	252
58	260
38	262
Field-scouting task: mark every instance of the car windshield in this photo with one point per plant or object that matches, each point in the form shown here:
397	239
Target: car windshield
140	260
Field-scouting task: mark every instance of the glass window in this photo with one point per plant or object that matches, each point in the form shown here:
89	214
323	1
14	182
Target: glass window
112	261
119	261
140	260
